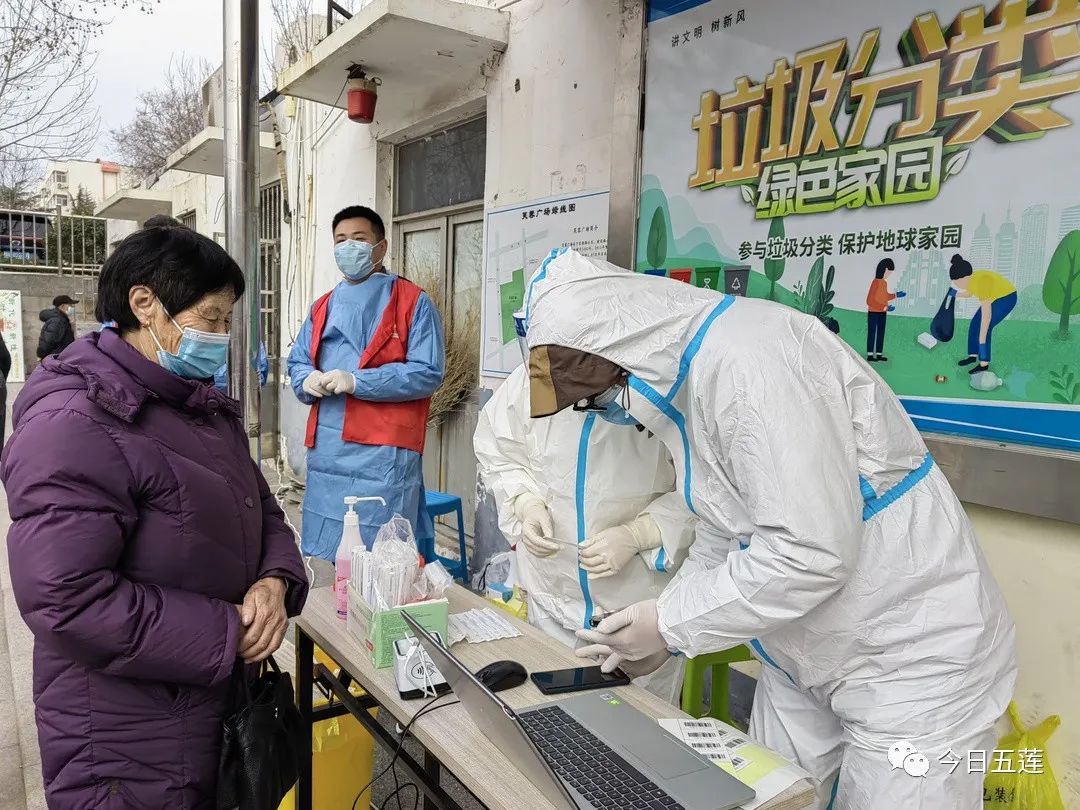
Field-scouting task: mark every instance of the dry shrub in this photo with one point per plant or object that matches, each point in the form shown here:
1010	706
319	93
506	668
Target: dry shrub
462	357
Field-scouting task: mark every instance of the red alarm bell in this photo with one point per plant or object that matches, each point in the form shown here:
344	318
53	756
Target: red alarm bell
363	94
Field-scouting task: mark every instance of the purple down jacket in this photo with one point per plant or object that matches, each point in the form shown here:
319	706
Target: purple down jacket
139	521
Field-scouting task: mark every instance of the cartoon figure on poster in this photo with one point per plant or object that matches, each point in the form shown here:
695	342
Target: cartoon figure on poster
809	150
879	302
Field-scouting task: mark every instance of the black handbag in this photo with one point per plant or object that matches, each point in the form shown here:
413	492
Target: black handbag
944	322
262	742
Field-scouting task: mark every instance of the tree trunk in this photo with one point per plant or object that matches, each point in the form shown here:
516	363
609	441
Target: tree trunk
1066	304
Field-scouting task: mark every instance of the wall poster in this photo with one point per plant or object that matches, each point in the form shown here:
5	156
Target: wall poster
12	330
517	239
907	174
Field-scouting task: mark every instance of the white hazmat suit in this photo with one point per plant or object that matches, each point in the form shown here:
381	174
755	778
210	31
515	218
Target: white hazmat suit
592	475
828	540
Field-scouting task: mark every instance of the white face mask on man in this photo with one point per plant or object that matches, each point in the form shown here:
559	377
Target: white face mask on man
354	258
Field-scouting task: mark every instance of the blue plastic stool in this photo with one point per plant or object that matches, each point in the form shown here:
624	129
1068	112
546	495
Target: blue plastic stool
443	503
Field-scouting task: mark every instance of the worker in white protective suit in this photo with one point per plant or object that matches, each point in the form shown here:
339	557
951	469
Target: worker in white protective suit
827	539
587	498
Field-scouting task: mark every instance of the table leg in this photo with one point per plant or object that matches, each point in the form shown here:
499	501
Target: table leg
305	683
432	772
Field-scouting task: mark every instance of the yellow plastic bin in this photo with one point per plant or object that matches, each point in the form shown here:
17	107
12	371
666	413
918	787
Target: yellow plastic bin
343	754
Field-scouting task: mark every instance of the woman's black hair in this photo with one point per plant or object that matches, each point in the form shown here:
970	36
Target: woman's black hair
178	264
959	267
886	265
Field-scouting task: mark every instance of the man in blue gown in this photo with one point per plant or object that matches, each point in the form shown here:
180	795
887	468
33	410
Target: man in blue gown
367	359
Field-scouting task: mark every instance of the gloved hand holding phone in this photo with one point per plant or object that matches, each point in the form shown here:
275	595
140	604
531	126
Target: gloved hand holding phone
632	634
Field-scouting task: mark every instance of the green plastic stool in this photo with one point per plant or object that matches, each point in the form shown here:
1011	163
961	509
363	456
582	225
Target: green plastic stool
693	689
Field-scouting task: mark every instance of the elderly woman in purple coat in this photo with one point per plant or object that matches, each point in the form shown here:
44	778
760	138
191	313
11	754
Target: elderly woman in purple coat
147	553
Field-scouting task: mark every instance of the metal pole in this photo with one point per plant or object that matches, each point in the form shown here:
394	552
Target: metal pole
241	201
59	240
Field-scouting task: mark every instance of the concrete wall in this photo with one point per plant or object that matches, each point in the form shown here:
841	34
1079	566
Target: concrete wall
205	195
1037	564
548	103
38	291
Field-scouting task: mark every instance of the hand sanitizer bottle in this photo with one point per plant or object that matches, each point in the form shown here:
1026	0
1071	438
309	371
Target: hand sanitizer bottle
350	539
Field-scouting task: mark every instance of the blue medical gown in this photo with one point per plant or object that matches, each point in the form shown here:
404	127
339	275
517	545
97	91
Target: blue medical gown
221	376
336	468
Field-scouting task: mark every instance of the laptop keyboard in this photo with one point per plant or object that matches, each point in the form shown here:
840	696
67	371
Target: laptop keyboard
594	770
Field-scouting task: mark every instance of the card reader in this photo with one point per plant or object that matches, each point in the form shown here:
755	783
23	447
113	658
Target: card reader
414	672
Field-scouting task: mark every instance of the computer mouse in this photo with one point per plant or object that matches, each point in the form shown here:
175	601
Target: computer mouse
500	675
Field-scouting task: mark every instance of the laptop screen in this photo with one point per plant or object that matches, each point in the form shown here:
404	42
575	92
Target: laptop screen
494	718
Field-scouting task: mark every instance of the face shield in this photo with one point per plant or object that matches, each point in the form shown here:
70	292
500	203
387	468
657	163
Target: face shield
519	329
561	377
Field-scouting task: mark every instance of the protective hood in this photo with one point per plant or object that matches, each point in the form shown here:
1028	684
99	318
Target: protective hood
638	322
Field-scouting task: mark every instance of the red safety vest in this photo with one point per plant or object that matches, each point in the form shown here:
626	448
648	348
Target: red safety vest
387	424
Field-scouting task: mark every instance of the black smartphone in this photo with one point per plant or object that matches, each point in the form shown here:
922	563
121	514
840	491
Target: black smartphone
579	679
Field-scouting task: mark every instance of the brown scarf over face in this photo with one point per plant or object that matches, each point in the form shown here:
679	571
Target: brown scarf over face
559	377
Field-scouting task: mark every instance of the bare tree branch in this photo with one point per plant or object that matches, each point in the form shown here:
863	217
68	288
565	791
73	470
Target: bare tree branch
19	177
296	31
166	118
46	76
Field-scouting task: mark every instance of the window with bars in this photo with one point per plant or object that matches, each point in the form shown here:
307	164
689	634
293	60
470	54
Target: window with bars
188	219
270	211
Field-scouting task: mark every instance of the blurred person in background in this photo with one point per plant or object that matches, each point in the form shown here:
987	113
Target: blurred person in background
57	330
5	369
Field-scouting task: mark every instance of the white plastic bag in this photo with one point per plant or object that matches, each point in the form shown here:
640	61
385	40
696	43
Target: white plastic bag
397	528
395	563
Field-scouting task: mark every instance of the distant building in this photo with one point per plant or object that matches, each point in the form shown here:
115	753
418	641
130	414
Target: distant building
1004	249
63	178
1070	221
982	246
925	279
1031	253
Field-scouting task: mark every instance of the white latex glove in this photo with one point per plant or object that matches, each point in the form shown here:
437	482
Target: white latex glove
608	552
631	634
536	526
646	666
339	381
314	385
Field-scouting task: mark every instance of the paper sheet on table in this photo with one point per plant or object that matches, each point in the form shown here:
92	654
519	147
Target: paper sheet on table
767	773
479	624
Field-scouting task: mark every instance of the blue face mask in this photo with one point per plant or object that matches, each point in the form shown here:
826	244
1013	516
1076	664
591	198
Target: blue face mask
199	354
354	259
614	413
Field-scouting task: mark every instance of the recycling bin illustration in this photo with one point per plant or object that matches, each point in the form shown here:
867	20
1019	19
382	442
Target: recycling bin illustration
736	279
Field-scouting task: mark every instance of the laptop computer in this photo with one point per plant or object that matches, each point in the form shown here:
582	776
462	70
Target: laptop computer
593	751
